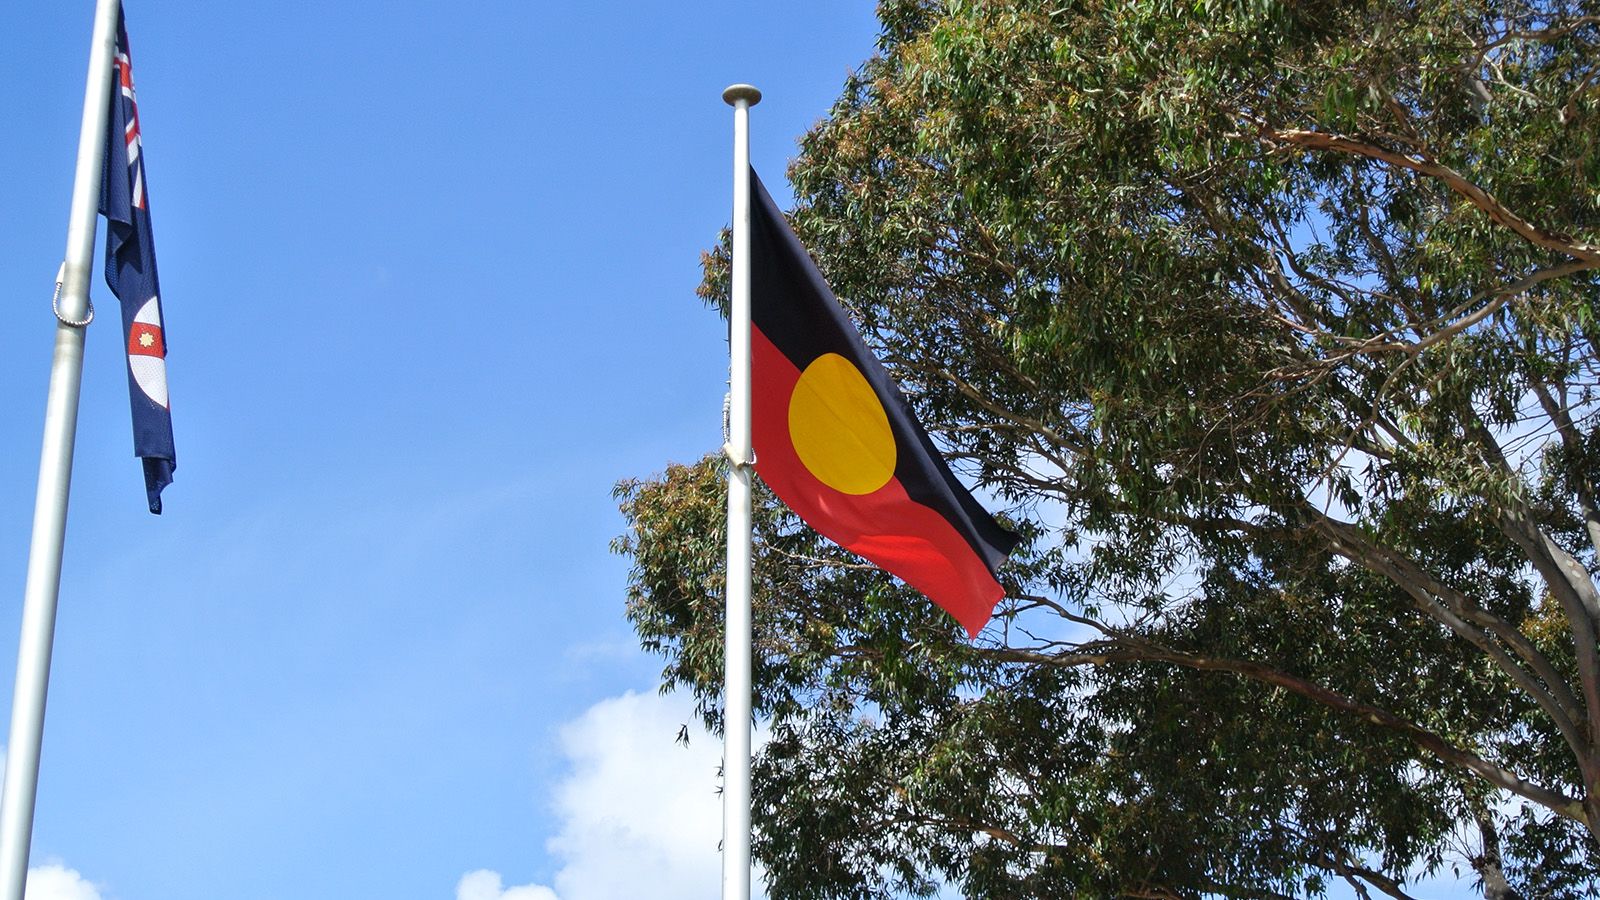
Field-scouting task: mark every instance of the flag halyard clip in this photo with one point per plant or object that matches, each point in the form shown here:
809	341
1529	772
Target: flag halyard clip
55	303
727	437
733	457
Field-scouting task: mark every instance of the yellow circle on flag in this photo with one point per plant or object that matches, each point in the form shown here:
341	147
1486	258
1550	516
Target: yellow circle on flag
839	427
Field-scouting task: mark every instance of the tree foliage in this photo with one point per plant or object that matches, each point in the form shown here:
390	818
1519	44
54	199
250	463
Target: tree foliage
1273	326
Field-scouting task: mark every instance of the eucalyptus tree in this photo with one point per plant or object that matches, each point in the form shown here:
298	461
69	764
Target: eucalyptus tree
1273	327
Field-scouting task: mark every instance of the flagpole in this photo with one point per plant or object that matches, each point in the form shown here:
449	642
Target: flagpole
736	720
55	469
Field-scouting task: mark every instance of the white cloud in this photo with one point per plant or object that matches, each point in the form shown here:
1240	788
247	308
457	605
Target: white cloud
639	812
485	885
54	881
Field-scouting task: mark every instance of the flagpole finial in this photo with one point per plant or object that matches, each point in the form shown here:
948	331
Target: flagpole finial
733	93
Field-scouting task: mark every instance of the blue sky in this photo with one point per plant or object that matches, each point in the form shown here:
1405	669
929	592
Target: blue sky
429	279
428	273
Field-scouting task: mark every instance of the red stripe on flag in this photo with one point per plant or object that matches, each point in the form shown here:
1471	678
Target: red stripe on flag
886	526
145	340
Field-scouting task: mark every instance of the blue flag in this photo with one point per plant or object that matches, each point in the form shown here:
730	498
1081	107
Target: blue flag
131	273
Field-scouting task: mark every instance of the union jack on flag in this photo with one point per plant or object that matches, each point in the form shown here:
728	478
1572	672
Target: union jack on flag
131	274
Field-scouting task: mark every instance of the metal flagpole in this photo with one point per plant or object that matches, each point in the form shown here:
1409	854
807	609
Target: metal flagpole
736	722
73	313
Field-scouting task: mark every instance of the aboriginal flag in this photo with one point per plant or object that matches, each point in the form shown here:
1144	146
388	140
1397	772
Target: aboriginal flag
131	274
835	440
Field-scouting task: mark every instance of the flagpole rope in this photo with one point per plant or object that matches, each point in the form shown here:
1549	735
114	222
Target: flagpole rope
55	306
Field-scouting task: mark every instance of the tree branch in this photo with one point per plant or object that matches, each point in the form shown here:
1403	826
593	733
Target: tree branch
1125	650
1493	208
1554	696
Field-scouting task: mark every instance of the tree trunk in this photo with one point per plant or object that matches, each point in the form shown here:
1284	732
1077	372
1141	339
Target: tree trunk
1487	864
